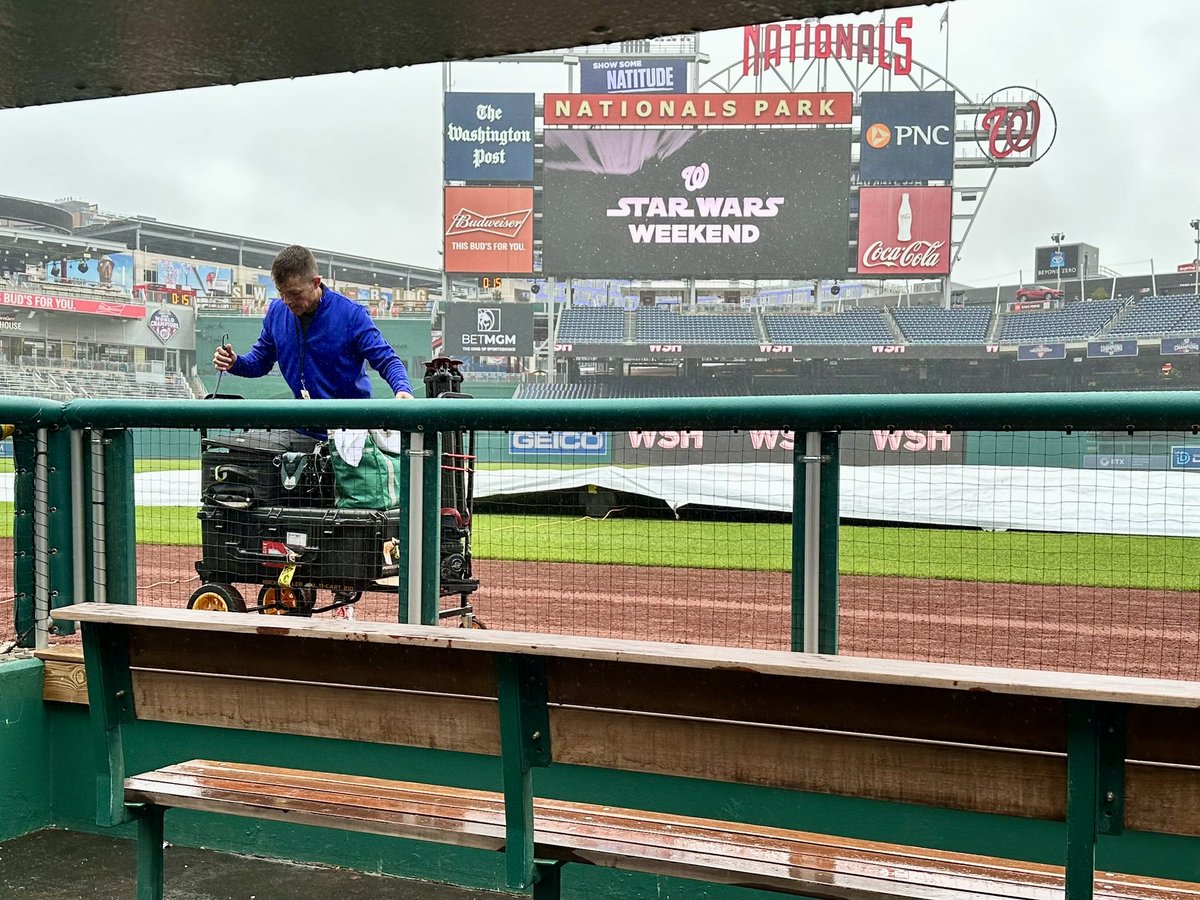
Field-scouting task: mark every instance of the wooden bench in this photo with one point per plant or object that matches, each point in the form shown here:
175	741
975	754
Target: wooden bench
1100	753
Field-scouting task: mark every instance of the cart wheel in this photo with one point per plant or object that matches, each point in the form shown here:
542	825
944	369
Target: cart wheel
470	620
217	598
286	601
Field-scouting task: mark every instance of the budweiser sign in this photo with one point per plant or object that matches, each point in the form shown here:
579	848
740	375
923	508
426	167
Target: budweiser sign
904	231
507	224
72	304
488	230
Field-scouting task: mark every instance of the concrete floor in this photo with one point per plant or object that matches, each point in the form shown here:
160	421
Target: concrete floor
69	865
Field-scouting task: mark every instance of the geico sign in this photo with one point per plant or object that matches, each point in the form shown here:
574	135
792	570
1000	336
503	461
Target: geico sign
557	442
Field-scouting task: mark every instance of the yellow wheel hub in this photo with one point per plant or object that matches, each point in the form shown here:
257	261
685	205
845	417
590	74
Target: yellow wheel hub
278	601
211	602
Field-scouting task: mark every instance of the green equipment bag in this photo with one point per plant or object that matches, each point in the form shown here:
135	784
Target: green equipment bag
372	484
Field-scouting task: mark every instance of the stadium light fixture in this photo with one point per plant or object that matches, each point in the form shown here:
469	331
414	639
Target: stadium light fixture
1057	237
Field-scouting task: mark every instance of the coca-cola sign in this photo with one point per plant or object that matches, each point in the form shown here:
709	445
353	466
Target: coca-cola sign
904	231
489	230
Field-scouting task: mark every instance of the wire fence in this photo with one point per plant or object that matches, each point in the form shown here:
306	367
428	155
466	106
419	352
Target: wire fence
1057	549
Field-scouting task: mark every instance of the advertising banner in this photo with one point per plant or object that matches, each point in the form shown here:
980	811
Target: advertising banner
488	137
489	230
904	231
204	280
1179	346
699	109
1034	352
858	448
1063	262
559	443
698	203
72	304
1112	349
489	329
632	76
1185	457
109	268
907	136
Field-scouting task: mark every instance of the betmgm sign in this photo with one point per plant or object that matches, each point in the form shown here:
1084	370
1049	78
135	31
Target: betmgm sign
489	329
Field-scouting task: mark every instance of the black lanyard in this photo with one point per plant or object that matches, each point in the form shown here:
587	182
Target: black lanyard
302	337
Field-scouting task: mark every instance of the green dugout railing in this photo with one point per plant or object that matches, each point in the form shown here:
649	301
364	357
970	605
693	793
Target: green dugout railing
74	522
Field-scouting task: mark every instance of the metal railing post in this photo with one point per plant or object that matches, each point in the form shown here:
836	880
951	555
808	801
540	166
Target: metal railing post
413	587
24	587
119	531
815	542
431	527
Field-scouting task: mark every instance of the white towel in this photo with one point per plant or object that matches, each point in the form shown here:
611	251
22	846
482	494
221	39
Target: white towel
388	441
350	444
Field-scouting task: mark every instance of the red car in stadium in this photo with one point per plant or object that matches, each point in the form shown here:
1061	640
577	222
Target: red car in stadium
1037	292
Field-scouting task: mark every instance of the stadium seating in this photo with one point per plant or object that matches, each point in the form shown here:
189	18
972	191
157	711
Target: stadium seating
934	325
1154	316
592	325
635	388
666	325
1074	322
68	384
852	326
557	392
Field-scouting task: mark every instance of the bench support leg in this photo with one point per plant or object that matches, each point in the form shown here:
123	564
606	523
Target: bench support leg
1083	756
548	879
150	853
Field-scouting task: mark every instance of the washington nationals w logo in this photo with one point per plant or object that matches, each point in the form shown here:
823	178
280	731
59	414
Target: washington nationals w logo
1016	124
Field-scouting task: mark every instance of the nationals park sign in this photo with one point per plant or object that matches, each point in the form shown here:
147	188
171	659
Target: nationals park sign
699	109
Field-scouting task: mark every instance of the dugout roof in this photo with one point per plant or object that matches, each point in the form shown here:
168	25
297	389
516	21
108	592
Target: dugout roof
77	50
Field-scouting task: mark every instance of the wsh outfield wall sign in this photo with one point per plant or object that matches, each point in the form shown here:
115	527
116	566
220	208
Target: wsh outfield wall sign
489	329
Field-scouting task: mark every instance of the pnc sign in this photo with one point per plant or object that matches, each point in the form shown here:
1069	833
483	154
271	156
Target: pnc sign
907	136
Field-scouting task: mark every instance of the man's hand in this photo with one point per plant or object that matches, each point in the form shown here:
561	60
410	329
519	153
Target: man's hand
224	358
403	395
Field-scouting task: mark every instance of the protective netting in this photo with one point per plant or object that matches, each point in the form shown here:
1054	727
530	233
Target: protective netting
1076	553
1046	550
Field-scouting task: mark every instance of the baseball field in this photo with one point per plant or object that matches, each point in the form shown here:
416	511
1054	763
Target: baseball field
1100	603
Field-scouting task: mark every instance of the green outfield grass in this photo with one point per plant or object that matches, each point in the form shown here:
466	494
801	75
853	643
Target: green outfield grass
1016	557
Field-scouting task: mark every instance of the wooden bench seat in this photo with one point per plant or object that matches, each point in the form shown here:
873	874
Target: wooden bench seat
1100	754
772	859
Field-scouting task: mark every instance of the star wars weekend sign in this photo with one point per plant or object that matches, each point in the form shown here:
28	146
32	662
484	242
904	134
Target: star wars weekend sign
699	203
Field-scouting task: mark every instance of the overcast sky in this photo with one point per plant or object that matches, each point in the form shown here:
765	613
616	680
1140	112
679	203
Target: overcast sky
353	162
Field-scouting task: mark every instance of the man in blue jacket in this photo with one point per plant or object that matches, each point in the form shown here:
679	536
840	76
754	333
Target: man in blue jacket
321	340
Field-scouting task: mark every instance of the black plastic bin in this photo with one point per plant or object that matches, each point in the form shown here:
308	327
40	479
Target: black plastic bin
250	469
337	549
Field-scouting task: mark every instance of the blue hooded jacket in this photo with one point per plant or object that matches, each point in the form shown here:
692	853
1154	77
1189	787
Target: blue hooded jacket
330	360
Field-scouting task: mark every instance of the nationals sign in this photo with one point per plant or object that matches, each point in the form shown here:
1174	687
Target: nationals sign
699	109
489	230
904	231
71	304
